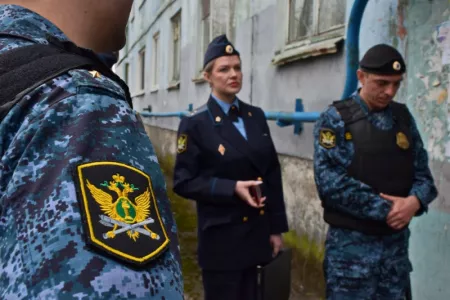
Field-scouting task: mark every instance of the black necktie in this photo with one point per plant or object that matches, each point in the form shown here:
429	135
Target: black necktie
234	113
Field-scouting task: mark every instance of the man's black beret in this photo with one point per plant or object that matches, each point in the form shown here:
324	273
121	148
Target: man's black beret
383	59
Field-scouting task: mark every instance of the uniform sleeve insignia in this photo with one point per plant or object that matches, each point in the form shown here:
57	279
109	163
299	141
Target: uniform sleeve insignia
327	138
182	143
402	141
121	217
348	136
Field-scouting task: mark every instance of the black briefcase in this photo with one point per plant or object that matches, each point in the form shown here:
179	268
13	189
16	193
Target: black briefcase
274	279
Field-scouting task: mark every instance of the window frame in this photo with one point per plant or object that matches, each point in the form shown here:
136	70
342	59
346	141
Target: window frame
215	19
174	81
318	43
142	68
156	57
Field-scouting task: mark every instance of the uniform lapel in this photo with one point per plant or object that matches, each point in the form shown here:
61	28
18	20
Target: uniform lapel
251	127
226	129
254	136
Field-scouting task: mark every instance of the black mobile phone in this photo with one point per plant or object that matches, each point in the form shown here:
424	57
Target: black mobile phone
255	192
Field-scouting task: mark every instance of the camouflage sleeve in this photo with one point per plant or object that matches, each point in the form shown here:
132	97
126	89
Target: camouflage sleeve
336	189
45	206
423	187
190	180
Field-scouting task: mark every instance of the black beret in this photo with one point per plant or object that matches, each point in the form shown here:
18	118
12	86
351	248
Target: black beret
383	59
219	46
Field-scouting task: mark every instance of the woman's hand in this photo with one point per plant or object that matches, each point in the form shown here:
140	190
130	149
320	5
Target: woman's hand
276	241
242	189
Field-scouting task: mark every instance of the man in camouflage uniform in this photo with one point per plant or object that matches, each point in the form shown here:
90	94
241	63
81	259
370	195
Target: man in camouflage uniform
84	212
372	175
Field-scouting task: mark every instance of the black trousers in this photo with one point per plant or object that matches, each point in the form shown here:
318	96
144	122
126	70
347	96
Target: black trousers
230	285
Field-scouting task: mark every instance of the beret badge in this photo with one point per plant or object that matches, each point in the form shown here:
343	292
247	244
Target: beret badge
396	66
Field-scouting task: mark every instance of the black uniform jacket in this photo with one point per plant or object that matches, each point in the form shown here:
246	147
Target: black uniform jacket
212	157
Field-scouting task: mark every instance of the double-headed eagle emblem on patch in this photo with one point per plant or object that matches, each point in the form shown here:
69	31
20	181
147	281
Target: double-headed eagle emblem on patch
327	138
182	143
120	212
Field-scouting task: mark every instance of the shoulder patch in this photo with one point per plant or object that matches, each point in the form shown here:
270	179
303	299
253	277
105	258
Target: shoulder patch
327	138
182	143
120	214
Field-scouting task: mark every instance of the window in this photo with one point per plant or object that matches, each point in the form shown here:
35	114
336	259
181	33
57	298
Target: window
126	72
142	69
309	18
155	69
176	47
205	25
311	28
214	19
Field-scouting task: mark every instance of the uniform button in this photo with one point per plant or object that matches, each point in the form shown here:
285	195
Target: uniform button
259	178
261	212
245	219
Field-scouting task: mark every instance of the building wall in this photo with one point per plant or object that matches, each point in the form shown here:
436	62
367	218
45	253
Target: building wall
257	28
427	97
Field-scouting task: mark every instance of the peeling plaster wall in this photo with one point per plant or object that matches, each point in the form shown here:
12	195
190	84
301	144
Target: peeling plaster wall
427	97
412	27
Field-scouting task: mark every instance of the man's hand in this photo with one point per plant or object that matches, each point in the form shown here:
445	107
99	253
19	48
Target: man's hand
402	211
277	243
242	190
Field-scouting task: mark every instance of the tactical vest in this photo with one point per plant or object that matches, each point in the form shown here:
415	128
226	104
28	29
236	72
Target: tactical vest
26	68
383	159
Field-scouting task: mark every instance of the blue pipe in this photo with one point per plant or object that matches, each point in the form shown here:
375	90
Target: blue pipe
179	114
285	116
293	117
352	46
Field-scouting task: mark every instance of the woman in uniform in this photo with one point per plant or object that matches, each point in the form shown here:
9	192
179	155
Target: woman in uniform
227	163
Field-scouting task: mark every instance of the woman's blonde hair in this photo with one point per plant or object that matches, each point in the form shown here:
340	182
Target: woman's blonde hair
209	66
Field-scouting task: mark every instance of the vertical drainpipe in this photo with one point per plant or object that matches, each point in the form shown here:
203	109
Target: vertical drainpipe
352	46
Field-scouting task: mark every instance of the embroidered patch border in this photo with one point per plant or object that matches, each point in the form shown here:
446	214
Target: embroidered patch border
127	228
327	138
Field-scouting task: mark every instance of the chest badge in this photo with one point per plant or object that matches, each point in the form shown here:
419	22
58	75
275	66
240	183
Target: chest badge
182	143
221	149
121	217
402	141
327	138
348	136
